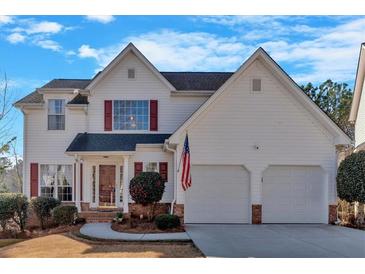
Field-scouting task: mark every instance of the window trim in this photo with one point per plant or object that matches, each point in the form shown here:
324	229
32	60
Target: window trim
132	130
56	186
64	106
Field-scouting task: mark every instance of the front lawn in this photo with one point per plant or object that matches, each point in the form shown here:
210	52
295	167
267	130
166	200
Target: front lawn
65	246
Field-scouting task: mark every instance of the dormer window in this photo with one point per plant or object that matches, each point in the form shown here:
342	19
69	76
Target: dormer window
131	73
56	114
256	85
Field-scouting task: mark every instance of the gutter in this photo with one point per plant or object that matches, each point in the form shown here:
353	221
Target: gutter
166	146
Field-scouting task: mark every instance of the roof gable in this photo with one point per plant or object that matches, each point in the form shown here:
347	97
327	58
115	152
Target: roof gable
262	55
118	59
359	82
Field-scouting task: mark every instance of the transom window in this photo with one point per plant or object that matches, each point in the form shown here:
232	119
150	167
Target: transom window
131	114
56	181
56	114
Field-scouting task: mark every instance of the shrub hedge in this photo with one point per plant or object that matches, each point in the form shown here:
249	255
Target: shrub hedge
165	221
13	206
42	207
65	214
147	188
351	178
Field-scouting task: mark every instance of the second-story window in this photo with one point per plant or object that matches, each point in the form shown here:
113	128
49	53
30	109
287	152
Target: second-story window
131	114
56	114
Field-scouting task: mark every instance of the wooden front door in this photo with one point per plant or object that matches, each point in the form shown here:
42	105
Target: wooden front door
106	185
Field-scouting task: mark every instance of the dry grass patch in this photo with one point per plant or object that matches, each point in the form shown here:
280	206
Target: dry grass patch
6	242
63	246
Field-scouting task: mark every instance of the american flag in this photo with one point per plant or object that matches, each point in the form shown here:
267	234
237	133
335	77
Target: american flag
185	175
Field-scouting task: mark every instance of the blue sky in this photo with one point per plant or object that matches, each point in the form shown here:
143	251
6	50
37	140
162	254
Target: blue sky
36	49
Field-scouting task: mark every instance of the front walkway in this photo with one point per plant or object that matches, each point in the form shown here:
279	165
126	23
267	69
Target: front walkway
278	241
104	231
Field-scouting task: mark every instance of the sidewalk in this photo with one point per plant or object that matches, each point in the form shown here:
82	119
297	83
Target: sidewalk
104	231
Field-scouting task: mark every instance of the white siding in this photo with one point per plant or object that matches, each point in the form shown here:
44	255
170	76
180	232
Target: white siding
172	111
274	121
45	146
360	120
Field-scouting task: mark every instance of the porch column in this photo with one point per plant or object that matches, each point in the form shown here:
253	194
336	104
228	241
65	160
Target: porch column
125	184
117	185
78	188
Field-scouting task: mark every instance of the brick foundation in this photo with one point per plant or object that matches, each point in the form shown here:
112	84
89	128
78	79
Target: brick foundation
137	210
85	206
256	214
179	210
332	214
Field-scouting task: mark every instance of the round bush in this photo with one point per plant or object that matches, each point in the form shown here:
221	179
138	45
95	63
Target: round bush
351	178
42	207
13	206
147	188
165	221
65	214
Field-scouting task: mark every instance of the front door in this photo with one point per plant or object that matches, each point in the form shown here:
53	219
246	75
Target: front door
107	185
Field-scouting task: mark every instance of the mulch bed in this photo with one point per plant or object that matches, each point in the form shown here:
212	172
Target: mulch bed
135	225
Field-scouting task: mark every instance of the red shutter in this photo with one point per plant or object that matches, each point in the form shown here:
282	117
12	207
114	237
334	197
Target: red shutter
33	180
153	115
108	115
164	171
81	167
138	168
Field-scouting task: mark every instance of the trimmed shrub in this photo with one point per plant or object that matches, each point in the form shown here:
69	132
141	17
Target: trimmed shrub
65	214
165	221
13	206
147	188
42	207
351	178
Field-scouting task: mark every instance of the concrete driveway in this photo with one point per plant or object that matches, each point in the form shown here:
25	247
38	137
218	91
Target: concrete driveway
277	241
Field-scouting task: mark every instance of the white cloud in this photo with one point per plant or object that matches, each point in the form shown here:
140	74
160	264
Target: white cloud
5	19
171	50
48	44
44	27
15	38
104	19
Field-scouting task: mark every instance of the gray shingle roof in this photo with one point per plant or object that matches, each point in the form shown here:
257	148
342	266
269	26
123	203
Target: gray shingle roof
79	99
68	83
180	80
31	98
113	142
197	80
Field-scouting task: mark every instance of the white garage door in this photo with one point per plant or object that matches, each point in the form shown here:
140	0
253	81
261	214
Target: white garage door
219	194
293	194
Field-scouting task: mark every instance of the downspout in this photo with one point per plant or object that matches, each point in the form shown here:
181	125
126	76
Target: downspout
175	176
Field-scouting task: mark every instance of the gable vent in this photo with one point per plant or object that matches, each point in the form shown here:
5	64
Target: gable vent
131	73
256	85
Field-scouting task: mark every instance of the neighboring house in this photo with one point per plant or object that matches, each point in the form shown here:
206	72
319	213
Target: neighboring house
357	115
261	150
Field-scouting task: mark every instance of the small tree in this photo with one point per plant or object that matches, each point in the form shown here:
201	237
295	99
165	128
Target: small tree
147	188
351	179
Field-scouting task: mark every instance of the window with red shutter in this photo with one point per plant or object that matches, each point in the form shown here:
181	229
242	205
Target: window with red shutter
138	168
33	180
153	115
108	115
163	171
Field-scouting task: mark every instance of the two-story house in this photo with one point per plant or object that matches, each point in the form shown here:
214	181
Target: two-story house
261	150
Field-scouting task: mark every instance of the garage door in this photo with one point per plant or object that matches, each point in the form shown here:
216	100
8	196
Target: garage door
219	194
293	194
